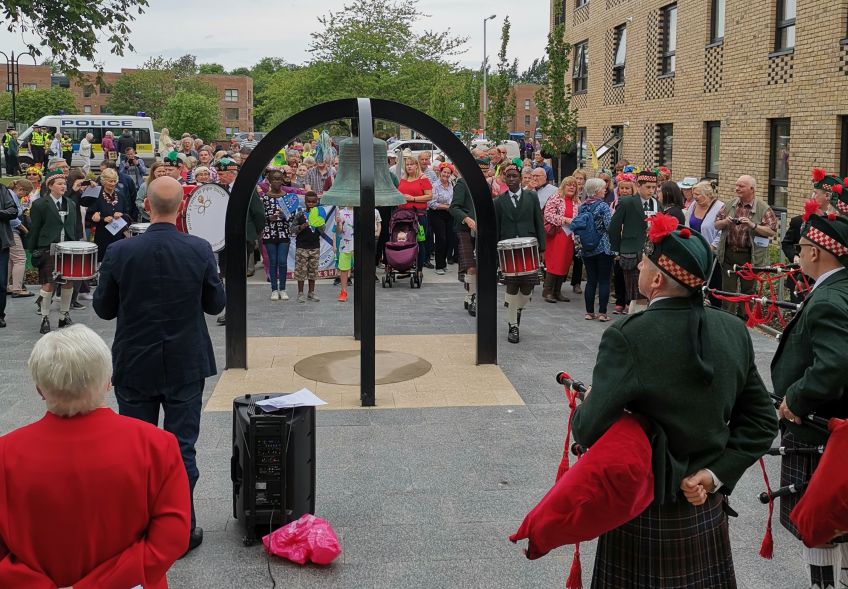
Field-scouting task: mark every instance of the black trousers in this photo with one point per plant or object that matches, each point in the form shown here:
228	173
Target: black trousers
441	224
577	271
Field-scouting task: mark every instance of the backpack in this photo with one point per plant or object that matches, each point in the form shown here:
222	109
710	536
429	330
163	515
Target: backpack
586	229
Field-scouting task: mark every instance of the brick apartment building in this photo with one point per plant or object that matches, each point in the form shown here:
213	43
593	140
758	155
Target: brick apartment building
235	94
526	117
715	88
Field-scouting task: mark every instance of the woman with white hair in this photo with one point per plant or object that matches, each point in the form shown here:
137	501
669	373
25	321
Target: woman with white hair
88	497
598	258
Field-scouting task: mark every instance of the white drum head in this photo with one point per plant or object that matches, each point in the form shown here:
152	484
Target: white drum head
206	214
76	247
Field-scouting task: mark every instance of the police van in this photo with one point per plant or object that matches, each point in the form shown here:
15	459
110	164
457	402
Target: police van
77	126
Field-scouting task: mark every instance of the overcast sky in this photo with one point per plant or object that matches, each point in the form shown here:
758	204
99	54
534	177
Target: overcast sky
222	32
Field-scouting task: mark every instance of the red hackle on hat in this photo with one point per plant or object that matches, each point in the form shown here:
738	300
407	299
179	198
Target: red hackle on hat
819	174
811	207
685	233
837	188
661	226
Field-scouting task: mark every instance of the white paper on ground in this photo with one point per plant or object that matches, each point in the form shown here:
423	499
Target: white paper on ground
302	398
116	225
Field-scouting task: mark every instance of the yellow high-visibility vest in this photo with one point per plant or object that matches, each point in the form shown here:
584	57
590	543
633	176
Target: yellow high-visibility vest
38	138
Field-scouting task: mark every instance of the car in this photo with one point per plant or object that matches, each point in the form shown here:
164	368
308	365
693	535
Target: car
257	135
513	150
416	146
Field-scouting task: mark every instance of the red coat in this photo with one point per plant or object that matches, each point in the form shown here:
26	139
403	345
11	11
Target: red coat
94	501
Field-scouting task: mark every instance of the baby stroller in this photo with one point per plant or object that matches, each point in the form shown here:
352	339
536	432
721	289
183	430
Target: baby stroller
401	253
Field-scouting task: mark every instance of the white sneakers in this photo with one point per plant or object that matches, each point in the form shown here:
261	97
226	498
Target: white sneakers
284	295
279	295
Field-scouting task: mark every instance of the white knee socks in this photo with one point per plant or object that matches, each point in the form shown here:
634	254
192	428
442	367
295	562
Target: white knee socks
821	561
67	293
512	308
46	299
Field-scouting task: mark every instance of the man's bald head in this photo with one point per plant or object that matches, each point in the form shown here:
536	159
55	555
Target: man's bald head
164	195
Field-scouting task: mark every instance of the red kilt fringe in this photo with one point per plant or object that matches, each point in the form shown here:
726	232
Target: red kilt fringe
674	546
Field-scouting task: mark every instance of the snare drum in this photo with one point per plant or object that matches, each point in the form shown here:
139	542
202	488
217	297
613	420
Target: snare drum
75	260
138	228
519	256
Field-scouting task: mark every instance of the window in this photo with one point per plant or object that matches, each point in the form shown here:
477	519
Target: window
30	86
579	3
665	142
526	121
231	114
712	167
231	95
104	110
86	109
580	74
843	160
619	55
228	131
581	147
668	61
717	23
779	164
615	144
87	91
235	130
105	89
526	104
785	27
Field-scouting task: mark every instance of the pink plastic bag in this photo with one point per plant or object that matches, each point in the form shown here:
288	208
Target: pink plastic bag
308	539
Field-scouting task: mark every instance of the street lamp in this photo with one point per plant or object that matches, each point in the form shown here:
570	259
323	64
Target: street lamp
13	78
485	105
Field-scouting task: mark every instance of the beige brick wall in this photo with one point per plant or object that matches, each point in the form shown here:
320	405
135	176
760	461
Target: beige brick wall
814	98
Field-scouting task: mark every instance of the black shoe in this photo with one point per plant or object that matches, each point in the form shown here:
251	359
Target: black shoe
222	319
429	265
2	322
512	337
45	325
337	281
472	308
65	321
195	539
76	306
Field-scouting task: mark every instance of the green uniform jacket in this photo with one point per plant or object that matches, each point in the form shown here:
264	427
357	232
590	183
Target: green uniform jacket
462	205
525	220
255	219
628	227
46	223
724	426
809	367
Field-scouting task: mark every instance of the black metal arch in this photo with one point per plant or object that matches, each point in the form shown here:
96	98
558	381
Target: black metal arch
362	111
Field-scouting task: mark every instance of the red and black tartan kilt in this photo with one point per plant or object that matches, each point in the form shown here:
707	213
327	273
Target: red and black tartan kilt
465	251
673	546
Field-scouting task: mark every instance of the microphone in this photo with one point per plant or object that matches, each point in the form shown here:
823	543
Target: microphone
565	379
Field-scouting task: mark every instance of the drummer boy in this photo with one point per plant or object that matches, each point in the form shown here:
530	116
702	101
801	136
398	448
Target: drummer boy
518	214
52	219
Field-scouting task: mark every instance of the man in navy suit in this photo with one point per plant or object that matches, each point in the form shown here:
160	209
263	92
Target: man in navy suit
159	285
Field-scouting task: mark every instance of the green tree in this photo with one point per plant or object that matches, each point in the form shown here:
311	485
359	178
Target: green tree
210	68
70	31
369	48
469	117
501	93
537	73
262	72
32	104
557	118
189	112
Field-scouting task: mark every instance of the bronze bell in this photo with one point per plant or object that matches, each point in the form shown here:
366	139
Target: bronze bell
345	191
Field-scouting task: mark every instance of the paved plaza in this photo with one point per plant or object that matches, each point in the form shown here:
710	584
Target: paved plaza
420	497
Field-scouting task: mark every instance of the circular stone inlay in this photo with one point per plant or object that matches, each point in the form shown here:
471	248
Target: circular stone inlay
342	367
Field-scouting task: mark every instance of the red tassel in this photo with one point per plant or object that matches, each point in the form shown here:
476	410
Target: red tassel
831	216
575	577
767	547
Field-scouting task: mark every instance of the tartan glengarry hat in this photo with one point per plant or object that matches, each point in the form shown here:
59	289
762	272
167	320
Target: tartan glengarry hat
646	176
172	158
834	186
679	252
830	233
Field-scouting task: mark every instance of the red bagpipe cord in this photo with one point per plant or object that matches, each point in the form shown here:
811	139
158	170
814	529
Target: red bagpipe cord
758	313
575	575
767	547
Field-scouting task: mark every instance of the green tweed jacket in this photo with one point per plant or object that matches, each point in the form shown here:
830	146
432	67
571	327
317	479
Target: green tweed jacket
46	223
628	227
255	219
809	367
724	426
462	205
525	220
